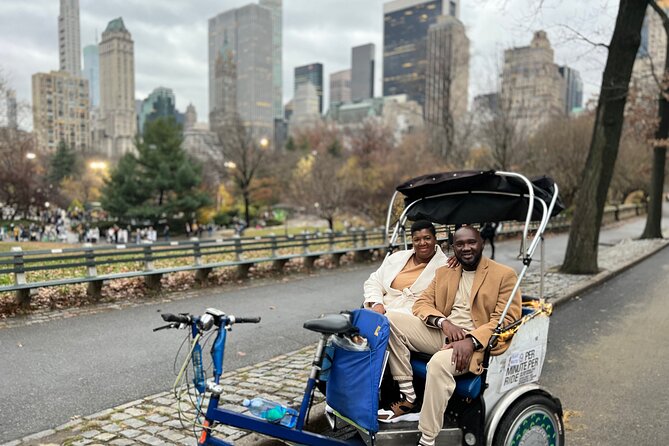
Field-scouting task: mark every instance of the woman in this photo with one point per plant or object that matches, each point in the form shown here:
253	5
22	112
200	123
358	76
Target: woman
404	275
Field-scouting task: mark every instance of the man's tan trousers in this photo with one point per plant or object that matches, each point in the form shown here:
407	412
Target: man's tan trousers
408	333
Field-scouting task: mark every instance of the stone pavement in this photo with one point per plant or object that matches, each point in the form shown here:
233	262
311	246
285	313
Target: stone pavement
157	419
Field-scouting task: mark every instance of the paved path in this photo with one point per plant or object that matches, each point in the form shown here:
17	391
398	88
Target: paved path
325	288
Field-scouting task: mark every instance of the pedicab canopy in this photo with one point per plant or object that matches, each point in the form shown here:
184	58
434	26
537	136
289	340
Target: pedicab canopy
475	196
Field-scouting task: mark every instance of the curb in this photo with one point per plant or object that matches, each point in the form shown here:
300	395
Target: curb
604	276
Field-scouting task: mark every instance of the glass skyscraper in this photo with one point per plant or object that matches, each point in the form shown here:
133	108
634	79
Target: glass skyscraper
92	72
406	23
312	73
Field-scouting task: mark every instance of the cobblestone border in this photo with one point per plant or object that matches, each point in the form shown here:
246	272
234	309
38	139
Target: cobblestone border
154	420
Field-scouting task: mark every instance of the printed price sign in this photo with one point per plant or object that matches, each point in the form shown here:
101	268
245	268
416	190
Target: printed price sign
522	367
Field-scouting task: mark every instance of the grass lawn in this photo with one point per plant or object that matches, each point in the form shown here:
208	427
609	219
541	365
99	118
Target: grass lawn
7	246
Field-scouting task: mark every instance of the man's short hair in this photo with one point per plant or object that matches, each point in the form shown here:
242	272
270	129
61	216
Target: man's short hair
419	225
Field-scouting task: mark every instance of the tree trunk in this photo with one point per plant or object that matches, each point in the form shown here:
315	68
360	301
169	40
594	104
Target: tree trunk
653	227
247	200
581	255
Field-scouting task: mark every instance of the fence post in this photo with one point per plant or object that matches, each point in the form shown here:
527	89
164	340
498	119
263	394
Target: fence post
202	273
22	295
152	280
331	244
273	244
363	254
94	287
238	248
305	245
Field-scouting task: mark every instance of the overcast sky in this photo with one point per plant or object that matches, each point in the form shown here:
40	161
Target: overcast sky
171	38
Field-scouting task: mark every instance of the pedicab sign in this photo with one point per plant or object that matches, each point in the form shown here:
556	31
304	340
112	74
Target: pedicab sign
522	367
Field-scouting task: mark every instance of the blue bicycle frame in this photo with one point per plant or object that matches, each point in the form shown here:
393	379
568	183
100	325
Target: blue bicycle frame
216	414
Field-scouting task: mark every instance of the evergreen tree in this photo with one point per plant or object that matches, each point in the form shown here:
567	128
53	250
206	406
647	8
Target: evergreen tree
161	180
63	164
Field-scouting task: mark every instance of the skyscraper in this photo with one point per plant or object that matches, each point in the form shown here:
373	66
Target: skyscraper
241	69
12	109
117	90
649	63
277	47
312	73
532	87
61	111
340	87
573	89
362	72
69	42
406	23
159	104
92	72
447	78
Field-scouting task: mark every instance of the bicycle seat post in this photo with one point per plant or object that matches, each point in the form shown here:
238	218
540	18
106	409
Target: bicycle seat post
318	356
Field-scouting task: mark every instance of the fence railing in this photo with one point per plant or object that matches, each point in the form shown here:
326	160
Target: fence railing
23	271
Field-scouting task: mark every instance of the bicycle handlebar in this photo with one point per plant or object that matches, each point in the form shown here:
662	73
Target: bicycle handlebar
245	320
181	318
212	317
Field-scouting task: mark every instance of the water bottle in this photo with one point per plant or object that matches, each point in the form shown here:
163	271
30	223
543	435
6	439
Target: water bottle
271	411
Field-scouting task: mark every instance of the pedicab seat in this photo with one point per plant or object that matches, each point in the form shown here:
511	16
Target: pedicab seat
466	386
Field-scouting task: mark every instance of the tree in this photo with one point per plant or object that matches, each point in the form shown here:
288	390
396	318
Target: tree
581	255
62	164
653	228
21	172
318	182
161	180
560	147
243	157
503	137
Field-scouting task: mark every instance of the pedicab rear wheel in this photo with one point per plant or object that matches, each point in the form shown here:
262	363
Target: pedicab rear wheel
535	420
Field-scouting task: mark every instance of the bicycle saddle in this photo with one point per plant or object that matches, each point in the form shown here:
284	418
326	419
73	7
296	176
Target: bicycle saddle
331	324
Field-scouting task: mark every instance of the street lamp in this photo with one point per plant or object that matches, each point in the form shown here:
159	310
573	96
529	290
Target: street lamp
229	165
97	165
31	156
264	143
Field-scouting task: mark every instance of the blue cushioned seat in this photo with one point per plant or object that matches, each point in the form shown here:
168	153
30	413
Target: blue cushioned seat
466	386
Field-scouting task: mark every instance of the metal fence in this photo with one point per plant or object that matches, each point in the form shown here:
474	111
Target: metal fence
22	271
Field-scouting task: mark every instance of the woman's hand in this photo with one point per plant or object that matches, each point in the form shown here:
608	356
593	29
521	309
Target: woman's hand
452	262
379	308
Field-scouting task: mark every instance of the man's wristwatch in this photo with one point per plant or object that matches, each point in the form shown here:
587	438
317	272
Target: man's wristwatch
440	322
477	344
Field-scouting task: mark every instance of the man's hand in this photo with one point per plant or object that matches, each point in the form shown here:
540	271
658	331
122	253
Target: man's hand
379	308
462	354
452	332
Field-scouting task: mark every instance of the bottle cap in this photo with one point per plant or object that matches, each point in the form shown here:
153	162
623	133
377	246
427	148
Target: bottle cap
246	402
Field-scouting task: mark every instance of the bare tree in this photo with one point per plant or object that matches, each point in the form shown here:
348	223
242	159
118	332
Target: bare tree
581	255
319	183
560	147
653	228
243	157
503	137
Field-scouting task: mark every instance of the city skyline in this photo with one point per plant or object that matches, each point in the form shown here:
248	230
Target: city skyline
325	32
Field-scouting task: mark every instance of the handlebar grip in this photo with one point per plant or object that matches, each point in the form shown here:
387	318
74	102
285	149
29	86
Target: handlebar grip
247	320
180	318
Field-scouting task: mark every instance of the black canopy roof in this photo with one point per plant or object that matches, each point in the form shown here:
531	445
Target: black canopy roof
474	196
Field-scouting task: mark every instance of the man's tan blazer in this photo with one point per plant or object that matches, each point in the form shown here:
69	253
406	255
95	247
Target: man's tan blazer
492	287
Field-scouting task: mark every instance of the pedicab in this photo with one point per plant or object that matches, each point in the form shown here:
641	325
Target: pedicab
505	405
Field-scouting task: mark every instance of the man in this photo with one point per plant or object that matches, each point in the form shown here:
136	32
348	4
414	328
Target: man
453	320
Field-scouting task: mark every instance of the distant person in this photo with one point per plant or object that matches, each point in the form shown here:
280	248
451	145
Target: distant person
488	232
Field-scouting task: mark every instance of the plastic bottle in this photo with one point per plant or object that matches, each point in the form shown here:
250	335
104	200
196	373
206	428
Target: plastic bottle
272	411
